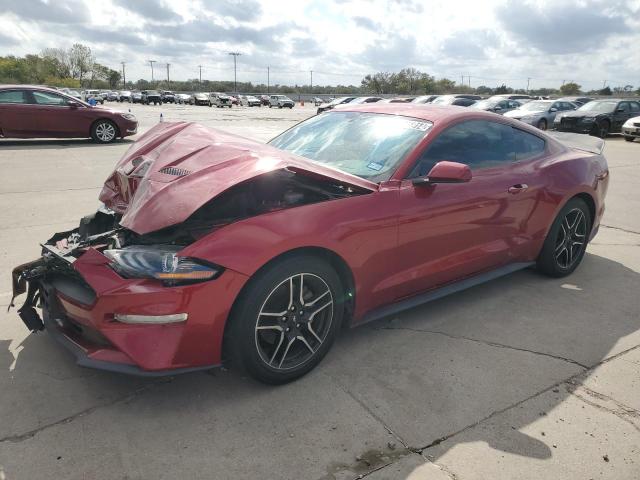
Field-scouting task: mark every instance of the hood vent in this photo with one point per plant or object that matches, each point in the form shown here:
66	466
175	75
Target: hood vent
175	171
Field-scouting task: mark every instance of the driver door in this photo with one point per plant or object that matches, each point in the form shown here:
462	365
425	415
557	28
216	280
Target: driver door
451	231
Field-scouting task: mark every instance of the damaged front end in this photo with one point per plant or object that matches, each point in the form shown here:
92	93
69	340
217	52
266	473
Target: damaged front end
119	292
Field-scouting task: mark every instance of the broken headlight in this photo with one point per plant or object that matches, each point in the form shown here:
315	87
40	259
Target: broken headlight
162	263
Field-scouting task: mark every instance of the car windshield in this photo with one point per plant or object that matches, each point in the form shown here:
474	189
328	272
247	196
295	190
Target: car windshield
337	101
605	107
367	145
444	100
535	106
152	92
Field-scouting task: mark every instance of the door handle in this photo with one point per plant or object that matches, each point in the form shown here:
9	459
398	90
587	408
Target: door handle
518	188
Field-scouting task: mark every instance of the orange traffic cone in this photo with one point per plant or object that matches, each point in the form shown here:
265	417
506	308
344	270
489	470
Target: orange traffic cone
302	102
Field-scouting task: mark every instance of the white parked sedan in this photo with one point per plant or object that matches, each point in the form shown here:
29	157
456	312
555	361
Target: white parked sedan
250	101
631	129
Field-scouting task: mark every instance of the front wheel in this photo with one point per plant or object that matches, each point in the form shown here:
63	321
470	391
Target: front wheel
104	131
628	138
567	239
542	124
287	319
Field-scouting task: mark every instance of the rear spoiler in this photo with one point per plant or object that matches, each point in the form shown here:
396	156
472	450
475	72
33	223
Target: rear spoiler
577	141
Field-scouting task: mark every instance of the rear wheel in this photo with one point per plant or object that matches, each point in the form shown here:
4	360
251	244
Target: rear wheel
104	131
287	319
628	138
566	241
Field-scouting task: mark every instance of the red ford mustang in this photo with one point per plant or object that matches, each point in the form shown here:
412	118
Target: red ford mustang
211	246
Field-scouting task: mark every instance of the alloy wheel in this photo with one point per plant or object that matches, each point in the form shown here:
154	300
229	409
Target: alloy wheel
571	238
294	321
105	132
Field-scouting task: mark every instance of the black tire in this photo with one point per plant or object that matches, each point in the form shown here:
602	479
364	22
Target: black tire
601	129
542	124
104	131
555	259
250	347
628	138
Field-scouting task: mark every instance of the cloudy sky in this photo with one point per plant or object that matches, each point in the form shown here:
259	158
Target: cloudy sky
493	41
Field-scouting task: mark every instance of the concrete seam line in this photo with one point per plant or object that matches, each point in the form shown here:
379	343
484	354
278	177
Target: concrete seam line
51	191
620	229
17	438
531	397
622	415
446	470
573	385
490	344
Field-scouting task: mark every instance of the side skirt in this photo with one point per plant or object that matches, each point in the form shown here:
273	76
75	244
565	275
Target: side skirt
437	293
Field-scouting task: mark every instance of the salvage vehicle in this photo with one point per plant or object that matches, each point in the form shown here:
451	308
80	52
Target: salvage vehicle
39	112
200	99
220	100
183	98
598	117
168	96
462	100
497	105
136	97
125	96
425	99
280	101
334	103
89	94
540	113
631	129
250	101
214	248
151	96
577	100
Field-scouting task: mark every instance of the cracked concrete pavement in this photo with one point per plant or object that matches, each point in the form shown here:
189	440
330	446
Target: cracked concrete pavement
524	377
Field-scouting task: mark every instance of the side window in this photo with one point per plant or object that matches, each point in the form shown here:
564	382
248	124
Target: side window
624	106
13	96
526	145
46	98
477	143
557	105
635	106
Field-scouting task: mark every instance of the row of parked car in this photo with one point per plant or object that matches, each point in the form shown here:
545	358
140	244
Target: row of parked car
569	114
158	97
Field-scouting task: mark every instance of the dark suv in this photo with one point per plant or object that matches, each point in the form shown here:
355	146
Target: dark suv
598	117
168	97
151	96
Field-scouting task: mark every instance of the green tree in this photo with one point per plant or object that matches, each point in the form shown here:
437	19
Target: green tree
570	88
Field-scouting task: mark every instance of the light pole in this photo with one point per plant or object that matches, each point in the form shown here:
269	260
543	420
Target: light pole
200	67
268	80
235	78
124	76
151	62
168	81
311	72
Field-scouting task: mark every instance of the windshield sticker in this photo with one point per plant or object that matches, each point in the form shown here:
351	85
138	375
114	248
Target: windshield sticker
375	166
422	126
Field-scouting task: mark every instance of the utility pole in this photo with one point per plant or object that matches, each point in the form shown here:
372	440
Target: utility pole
168	81
462	80
268	80
200	67
311	87
124	76
235	78
469	81
151	62
604	84
528	80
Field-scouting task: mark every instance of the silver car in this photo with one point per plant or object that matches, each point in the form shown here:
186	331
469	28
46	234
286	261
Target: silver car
497	105
540	113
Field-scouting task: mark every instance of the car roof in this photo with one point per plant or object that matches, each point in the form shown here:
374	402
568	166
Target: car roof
430	112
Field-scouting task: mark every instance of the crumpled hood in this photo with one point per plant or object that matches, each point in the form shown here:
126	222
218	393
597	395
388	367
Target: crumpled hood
175	168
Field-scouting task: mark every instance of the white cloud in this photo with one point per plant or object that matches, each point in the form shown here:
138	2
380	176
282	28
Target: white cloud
499	41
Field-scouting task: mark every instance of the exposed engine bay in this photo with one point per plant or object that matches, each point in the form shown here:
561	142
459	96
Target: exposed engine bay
273	191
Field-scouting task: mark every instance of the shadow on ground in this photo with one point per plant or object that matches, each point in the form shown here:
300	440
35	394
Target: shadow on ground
418	382
57	144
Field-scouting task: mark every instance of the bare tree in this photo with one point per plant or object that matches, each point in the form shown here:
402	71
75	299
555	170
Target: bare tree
81	60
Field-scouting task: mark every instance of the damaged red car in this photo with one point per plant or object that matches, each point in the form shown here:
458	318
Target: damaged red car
212	247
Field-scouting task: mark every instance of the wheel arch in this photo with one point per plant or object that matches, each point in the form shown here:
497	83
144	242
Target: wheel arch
341	267
115	124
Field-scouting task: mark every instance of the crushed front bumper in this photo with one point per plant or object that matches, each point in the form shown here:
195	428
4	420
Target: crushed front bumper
80	299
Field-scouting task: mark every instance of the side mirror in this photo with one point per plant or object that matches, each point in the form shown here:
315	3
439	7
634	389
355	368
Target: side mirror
497	109
553	109
445	172
620	110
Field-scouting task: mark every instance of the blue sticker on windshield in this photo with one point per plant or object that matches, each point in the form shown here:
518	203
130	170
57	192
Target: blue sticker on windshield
375	166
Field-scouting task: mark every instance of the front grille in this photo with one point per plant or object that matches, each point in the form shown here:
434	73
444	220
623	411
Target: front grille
175	171
636	124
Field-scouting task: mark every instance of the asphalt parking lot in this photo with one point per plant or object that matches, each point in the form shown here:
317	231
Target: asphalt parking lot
525	377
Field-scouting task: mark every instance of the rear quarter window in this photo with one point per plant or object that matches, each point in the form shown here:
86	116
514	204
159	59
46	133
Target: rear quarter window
12	96
527	145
